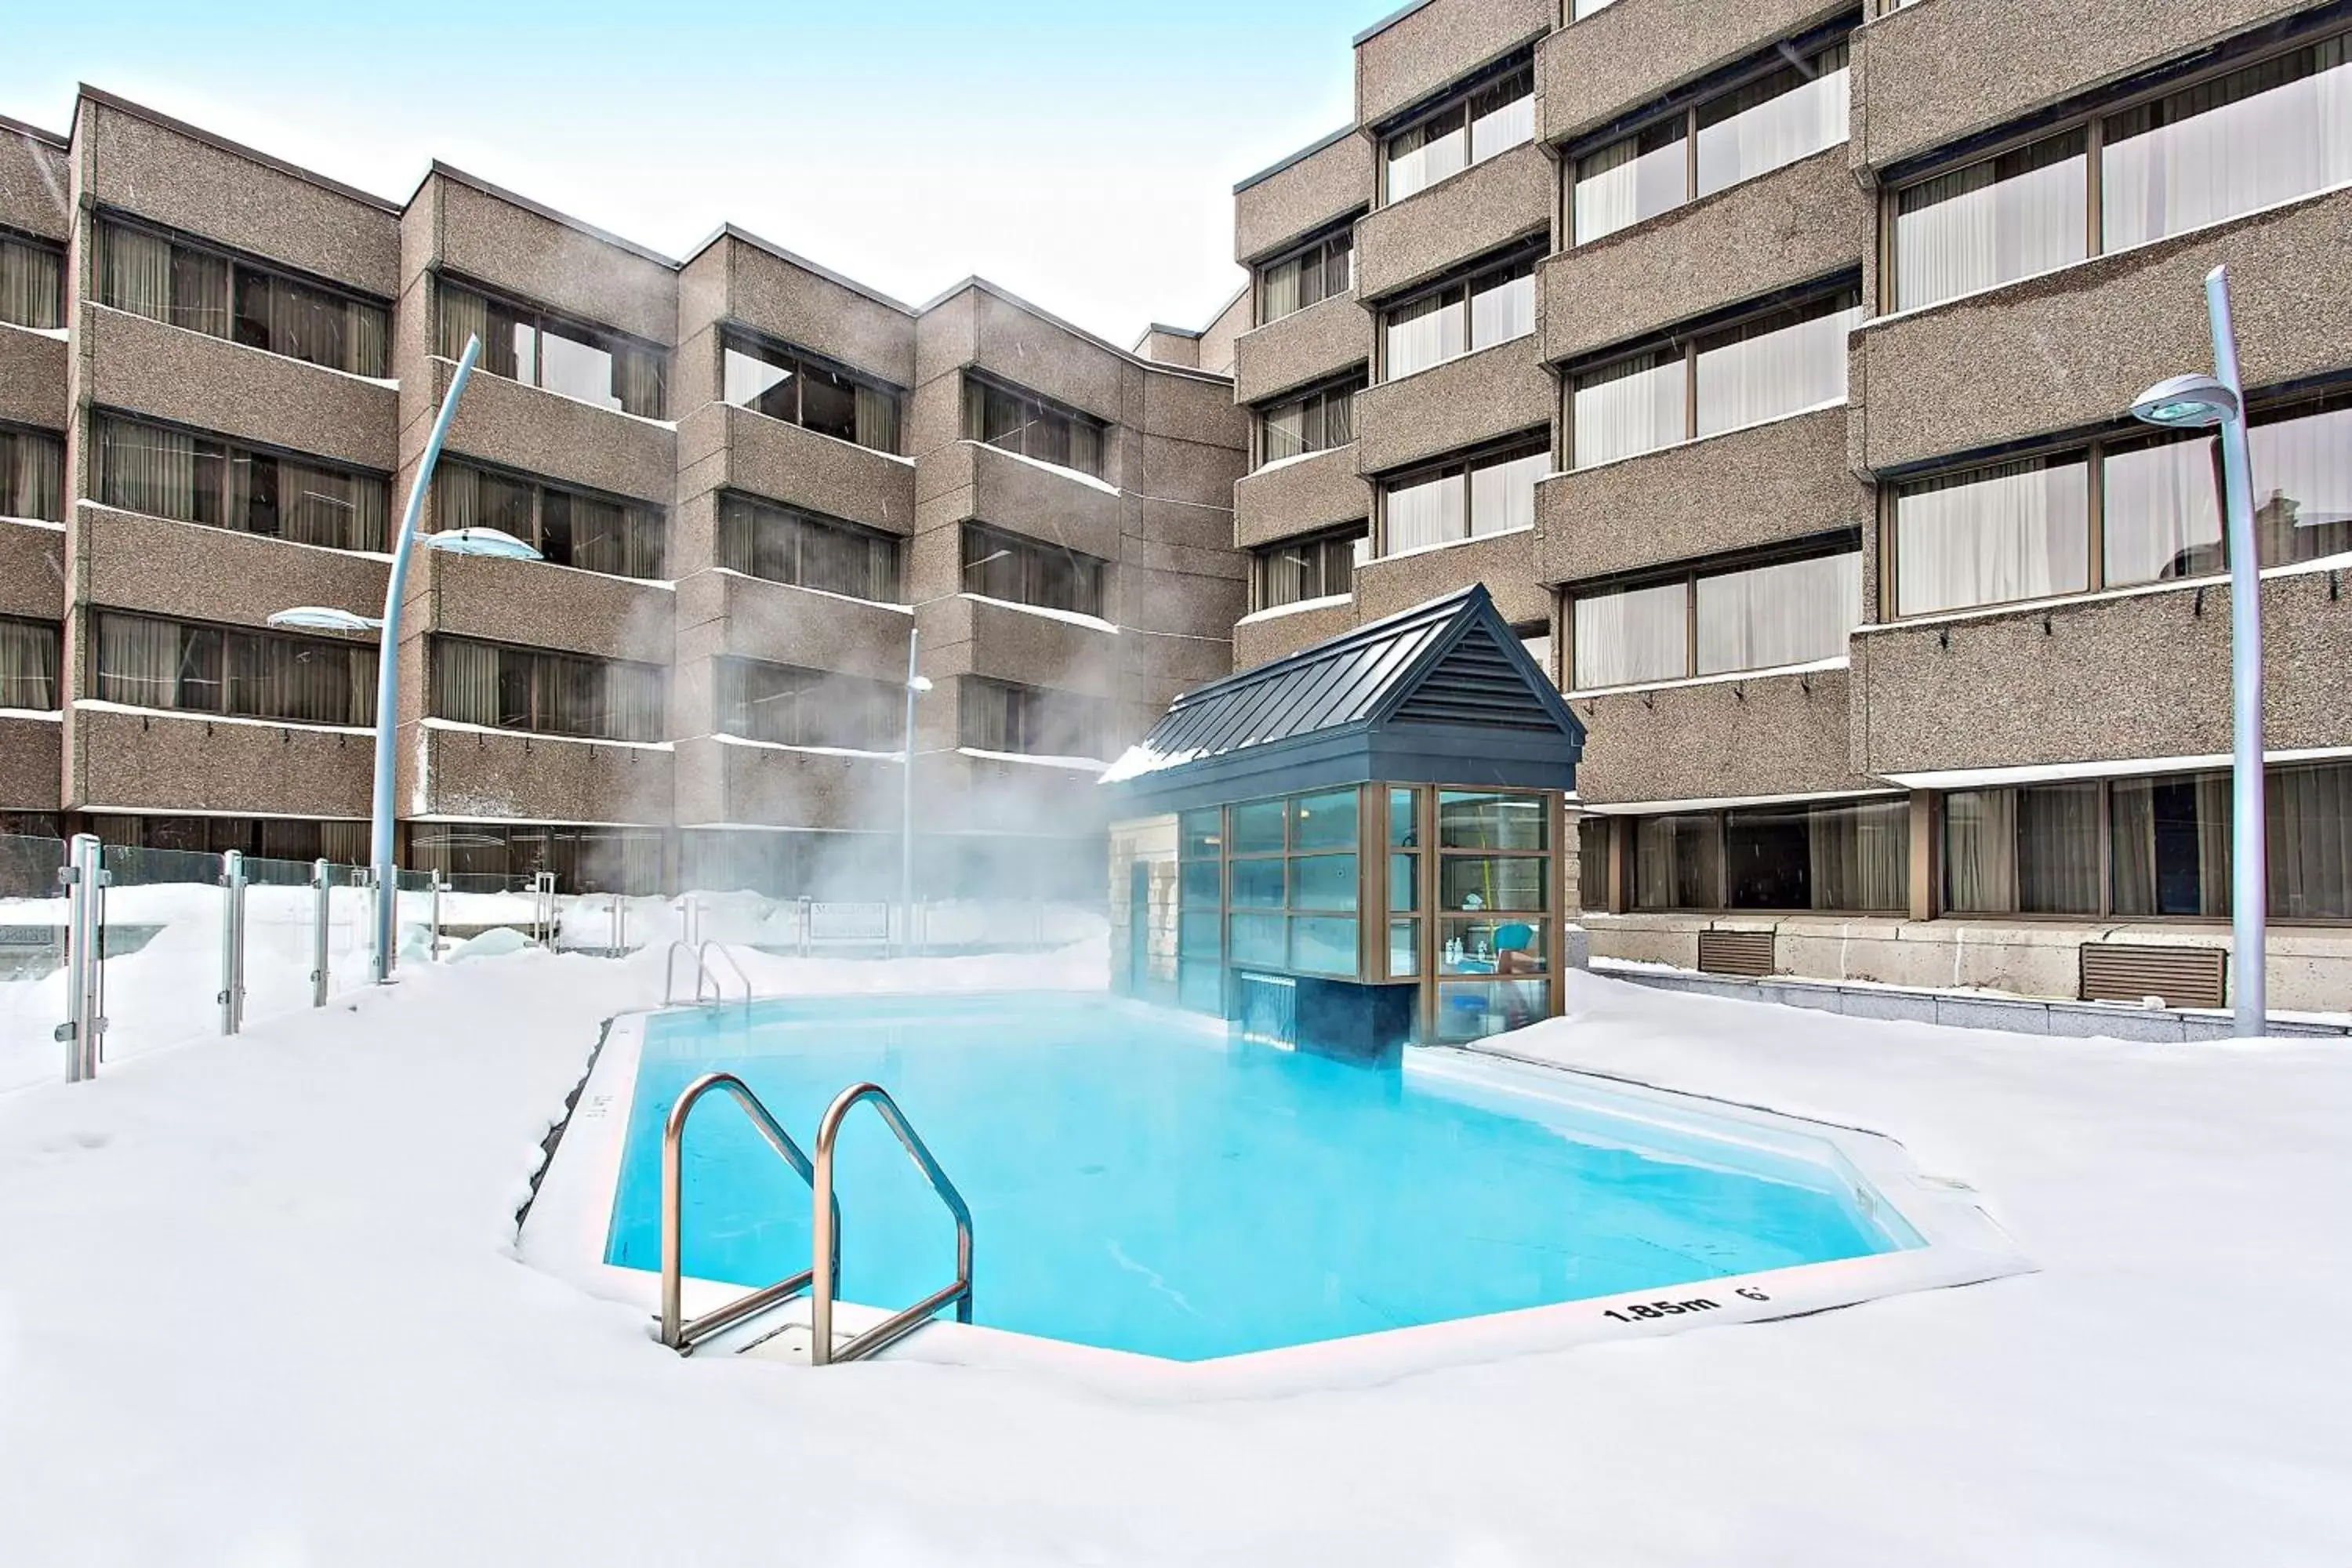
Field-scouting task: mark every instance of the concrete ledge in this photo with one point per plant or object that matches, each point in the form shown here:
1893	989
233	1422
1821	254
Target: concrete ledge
2081	1020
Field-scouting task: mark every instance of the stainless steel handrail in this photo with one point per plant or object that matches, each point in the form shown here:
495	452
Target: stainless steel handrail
718	994
670	973
827	1221
678	1332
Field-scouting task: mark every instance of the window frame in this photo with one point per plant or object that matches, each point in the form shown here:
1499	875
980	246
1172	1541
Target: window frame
1720	821
1819	547
2094	453
1684	106
1034	558
1324	246
57	662
351	648
1457	96
544	661
540	318
232	449
235	263
1357	536
12	434
1036	409
731	669
2090	120
739	339
541	489
1704	335
1509	449
735	503
1028	701
1522	259
56	249
1322	394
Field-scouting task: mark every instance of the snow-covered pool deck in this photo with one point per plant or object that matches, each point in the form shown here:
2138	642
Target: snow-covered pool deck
259	1304
568	1224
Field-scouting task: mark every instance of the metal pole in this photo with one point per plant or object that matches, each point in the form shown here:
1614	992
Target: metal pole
2249	846
907	795
387	667
322	912
434	955
232	991
85	879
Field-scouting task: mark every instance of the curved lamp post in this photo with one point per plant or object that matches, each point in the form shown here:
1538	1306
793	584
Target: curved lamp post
2206	402
461	542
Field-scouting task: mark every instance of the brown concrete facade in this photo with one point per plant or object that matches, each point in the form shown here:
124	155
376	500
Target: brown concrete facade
1161	516
2100	679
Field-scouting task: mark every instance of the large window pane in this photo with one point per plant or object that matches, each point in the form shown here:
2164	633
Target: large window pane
1258	884
29	664
1641	634
1860	855
1679	862
2310	831
1323	882
2162	514
1503	116
1322	945
1628	181
2168	846
2007	217
1502	309
755	379
32	284
1768	858
1254	940
2303	487
1478	820
2032	850
32	476
1775	366
1792	613
2018	531
1324	821
1788	115
1503	494
1493	882
1425	154
1258	827
1426	332
2268	133
1634	405
1431	511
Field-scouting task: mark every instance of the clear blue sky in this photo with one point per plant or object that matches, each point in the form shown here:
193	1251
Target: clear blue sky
1082	155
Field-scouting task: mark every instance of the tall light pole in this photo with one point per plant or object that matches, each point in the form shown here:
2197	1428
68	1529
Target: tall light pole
2200	402
462	541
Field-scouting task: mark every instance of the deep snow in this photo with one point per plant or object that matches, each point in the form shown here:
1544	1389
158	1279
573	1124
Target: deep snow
259	1304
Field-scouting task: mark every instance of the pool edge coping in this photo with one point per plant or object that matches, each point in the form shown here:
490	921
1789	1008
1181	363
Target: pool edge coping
567	1232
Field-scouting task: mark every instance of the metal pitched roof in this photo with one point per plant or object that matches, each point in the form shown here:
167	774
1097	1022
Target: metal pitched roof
1451	665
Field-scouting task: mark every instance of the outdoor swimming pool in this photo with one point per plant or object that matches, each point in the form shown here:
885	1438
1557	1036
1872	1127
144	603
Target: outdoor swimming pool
1140	1182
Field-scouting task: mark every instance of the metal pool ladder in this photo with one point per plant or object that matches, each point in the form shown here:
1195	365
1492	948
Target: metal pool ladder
821	1278
708	991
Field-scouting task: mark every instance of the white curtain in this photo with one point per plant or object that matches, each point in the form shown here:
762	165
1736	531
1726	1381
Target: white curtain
2017	530
633	701
138	661
32	476
1979	851
2303	487
2310	821
31	285
2163	516
1751	378
1679	862
1797	124
1860	854
2253	138
877	419
1639	634
28	666
1503	495
1502	311
1622	185
1500	130
2058	849
1284	432
1634	405
1426	153
1974	228
1430	512
1426	331
465	681
1792	613
134	271
146	468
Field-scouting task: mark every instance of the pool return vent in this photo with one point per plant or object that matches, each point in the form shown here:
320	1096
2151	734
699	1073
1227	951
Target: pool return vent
821	1278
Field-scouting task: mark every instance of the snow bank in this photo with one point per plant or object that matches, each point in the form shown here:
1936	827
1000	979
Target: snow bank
259	1305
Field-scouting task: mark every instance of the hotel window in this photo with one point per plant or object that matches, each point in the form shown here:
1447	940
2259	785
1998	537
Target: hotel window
521	343
781	544
1318	271
1020	571
580	860
164	472
546	693
2239	140
1298	569
1578	10
1469	127
1312	422
1022	422
1716	623
1848	857
801	389
1493	899
1031	720
1768	366
2147	848
778	703
148	663
1292	869
1792	109
32	283
222	296
1458	501
2036	527
619	539
29	664
32	474
1492	304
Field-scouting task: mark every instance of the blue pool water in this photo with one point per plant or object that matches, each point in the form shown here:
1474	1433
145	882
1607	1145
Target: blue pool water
1141	1183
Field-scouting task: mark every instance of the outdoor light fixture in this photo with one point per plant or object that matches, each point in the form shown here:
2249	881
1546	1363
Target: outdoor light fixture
2187	402
325	618
2203	402
479	542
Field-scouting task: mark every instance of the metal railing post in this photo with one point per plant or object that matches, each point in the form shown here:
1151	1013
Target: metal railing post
323	881
808	920
232	985
433	954
620	926
85	1027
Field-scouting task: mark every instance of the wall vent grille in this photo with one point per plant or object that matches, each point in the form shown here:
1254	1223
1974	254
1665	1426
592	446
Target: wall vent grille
1745	952
2183	977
